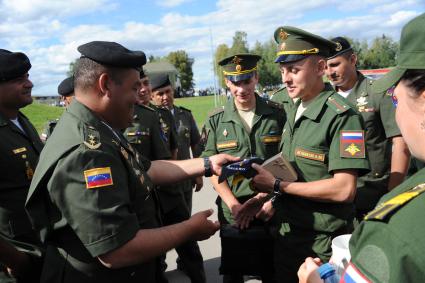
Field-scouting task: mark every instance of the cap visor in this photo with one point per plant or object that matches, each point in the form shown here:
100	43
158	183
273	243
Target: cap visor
387	81
242	77
289	58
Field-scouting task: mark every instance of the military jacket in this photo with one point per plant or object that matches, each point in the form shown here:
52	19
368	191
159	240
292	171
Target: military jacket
187	132
281	96
378	114
389	245
167	124
317	144
90	195
226	134
145	134
19	154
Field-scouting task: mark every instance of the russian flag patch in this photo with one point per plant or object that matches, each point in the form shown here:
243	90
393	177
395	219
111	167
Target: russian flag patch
353	275
352	144
98	177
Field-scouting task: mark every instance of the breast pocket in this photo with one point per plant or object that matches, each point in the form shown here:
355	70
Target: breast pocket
312	162
271	144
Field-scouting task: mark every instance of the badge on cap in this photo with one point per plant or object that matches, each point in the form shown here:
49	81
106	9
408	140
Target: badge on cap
283	34
352	144
338	46
98	177
236	60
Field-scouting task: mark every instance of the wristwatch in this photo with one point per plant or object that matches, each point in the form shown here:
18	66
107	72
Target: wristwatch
207	167
276	187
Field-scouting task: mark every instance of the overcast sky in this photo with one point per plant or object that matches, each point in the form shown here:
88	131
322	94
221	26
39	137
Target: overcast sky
49	32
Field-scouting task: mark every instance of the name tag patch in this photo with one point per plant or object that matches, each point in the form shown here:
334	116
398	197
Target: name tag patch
352	144
227	144
98	177
271	139
309	154
19	150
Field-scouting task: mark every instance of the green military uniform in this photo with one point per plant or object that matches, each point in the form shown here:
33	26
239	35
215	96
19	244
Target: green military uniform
378	114
388	246
188	135
145	134
327	137
19	154
281	96
226	134
90	195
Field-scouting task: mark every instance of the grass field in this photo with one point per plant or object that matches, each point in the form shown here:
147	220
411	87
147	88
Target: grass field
40	114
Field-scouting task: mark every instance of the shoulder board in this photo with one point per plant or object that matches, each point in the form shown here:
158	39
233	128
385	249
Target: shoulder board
274	104
216	111
338	104
388	208
147	107
184	108
91	137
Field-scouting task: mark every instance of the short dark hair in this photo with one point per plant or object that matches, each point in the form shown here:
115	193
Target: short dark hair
87	71
415	79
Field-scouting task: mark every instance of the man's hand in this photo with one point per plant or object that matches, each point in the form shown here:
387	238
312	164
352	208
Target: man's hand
202	227
218	160
263	181
307	273
247	212
266	212
198	183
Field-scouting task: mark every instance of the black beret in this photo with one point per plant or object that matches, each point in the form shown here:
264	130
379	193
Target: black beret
344	46
159	80
66	87
112	54
13	65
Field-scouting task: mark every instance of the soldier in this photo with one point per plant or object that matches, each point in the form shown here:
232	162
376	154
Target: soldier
66	91
20	147
246	126
177	201
387	152
388	245
324	141
92	196
145	132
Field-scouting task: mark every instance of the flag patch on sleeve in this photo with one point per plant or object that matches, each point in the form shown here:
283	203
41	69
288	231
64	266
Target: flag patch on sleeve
98	177
353	275
352	144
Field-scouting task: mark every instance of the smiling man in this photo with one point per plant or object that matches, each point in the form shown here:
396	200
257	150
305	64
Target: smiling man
247	126
323	139
20	148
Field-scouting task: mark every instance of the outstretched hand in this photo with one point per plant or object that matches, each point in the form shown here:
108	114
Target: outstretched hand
203	228
263	181
307	273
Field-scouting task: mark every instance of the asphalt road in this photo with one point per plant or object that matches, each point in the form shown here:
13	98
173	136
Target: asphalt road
210	248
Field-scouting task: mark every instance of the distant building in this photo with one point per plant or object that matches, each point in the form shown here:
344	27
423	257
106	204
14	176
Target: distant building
52	100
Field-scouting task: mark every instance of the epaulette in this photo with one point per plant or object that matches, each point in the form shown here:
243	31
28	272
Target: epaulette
147	107
274	104
216	111
91	137
338	104
388	208
184	108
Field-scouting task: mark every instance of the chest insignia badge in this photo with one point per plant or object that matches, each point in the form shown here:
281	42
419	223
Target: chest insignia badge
225	133
361	101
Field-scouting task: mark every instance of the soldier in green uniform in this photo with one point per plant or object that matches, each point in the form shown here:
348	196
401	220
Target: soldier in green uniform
92	196
66	91
179	198
324	141
145	134
247	126
387	152
388	245
20	147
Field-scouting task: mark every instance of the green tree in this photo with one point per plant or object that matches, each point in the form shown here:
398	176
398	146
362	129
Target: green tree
268	71
71	68
240	44
381	54
221	52
183	63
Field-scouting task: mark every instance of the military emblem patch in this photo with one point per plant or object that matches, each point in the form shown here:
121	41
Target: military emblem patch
227	144
98	177
352	144
309	154
361	101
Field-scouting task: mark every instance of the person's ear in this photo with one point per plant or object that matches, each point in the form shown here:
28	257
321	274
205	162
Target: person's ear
321	67
103	84
353	59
